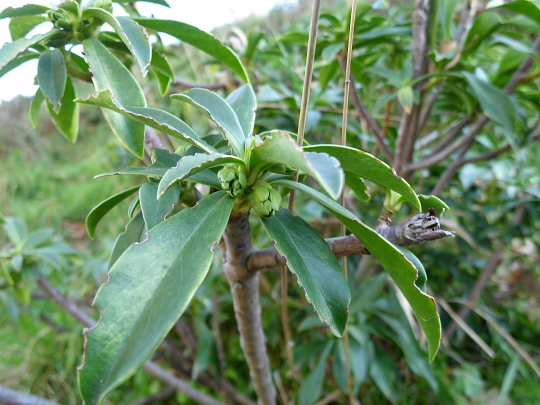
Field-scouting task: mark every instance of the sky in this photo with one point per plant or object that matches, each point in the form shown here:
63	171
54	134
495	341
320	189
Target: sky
204	14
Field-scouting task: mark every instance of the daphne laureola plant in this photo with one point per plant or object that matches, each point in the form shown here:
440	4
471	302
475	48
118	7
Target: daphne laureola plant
192	201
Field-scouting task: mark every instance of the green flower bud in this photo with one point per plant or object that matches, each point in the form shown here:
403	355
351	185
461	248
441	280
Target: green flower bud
265	200
232	180
60	18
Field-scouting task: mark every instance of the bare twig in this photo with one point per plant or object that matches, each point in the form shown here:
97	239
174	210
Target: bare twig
415	231
12	397
247	307
362	111
468	330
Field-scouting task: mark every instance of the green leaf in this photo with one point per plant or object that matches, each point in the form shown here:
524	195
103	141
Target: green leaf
11	50
35	107
67	119
160	2
109	73
219	111
154	210
406	98
495	103
434	202
309	257
131	33
402	271
16	230
199	39
135	230
366	166
358	187
161	68
190	165
244	105
280	148
149	287
52	75
527	8
27	9
153	117
421	279
312	386
21	26
99	211
18	62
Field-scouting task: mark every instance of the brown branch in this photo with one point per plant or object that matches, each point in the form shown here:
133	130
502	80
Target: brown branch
407	133
247	307
150	366
12	397
362	111
415	231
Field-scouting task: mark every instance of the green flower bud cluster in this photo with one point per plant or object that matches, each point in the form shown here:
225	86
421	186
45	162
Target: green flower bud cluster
232	180
61	19
265	200
104	4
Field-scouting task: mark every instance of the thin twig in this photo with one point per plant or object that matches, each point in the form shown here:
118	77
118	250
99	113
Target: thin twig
12	397
164	395
350	382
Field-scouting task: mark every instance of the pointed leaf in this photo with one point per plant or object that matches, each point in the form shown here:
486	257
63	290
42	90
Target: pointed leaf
199	39
217	109
434	202
18	62
67	119
35	107
52	75
153	117
149	287
109	73
495	103
317	269
402	271
190	165
20	27
527	8
16	230
244	104
99	211
135	230
366	166
131	33
280	148
10	50
154	210
27	9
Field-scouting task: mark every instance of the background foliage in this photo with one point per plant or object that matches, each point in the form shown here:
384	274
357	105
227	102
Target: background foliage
493	198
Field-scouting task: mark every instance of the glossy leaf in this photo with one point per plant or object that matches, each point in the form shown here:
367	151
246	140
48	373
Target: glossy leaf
160	2
135	231
131	33
27	9
154	210
67	119
527	8
99	211
153	117
244	104
149	287
161	68
359	188
219	111
199	39
280	148
434	202
11	50
366	166
402	271
110	74
495	103
190	165
319	273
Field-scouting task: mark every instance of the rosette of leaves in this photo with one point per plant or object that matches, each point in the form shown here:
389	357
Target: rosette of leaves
162	258
73	23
